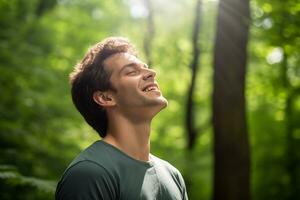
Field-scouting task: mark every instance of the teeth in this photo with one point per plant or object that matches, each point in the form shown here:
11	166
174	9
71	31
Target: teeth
150	89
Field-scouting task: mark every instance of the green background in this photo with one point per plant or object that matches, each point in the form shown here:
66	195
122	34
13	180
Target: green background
41	131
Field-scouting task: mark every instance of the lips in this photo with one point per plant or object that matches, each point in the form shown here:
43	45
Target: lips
150	87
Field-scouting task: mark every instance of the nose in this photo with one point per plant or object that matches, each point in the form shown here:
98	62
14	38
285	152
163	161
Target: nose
149	73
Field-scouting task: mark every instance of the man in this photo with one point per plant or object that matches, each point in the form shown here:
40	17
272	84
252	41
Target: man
118	96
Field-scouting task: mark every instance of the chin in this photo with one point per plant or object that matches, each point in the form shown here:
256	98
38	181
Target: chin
156	102
165	101
162	102
154	106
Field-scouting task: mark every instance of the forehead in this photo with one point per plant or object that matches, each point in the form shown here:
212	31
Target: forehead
118	60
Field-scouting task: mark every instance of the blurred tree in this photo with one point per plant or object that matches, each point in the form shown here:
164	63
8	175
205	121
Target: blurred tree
194	65
44	6
40	130
231	146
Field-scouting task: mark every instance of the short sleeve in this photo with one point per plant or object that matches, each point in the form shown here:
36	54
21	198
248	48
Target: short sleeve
180	183
183	187
86	180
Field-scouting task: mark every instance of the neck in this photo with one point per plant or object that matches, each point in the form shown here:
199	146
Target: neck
131	137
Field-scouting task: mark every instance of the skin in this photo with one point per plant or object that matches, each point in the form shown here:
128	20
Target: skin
130	110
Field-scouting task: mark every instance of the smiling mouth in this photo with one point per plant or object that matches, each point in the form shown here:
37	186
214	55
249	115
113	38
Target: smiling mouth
152	87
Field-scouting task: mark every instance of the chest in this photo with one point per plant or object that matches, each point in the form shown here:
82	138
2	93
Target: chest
149	184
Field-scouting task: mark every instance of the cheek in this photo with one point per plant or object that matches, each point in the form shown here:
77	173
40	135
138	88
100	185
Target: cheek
127	86
129	90
125	90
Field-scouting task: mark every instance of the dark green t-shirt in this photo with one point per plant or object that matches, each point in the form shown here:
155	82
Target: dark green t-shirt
104	172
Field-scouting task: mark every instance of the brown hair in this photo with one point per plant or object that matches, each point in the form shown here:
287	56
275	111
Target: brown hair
89	76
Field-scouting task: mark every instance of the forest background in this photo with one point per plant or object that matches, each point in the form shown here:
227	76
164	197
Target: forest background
41	131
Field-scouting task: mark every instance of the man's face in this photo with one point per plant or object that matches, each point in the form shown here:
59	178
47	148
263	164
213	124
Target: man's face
135	84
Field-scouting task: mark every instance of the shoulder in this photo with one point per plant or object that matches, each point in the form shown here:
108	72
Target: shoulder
86	168
175	174
165	164
86	180
173	171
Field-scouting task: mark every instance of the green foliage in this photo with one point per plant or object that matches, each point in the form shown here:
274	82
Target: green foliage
11	181
273	80
40	130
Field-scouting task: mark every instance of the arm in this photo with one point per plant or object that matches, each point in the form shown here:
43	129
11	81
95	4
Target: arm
86	180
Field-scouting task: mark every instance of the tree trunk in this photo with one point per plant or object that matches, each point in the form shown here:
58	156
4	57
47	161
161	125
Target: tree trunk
189	119
231	145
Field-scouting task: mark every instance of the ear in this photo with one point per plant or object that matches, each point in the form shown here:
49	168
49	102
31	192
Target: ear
104	99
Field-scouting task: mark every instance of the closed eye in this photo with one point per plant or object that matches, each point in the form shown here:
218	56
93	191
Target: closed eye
132	72
133	68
